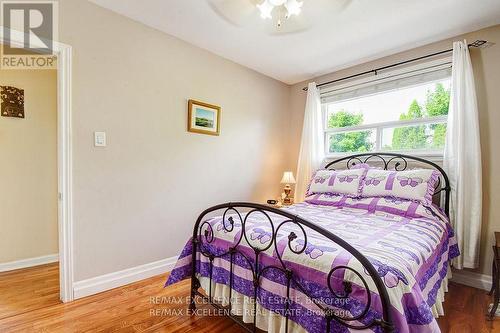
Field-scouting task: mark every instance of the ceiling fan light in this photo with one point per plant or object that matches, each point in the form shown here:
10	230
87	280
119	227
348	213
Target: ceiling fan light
265	9
293	7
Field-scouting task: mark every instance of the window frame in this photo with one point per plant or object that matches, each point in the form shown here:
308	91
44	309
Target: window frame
379	127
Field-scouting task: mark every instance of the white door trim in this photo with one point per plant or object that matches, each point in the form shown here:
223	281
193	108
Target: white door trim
64	162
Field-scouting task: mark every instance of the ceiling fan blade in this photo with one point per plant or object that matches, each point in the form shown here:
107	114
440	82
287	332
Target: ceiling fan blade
236	12
292	25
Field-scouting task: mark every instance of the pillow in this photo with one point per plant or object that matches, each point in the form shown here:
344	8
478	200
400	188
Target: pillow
418	184
347	182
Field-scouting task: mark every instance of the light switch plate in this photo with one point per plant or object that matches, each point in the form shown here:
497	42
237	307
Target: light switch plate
100	139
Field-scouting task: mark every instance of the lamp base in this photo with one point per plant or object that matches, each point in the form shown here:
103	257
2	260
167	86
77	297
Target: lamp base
287	200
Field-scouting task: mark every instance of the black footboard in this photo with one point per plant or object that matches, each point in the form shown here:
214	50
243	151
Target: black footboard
203	235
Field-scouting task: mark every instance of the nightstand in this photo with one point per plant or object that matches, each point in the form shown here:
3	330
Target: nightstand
495	283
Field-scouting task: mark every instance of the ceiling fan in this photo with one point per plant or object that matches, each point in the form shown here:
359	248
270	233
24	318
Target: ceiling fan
276	17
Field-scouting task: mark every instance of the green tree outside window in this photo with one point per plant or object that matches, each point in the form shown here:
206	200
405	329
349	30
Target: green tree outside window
412	137
404	138
352	141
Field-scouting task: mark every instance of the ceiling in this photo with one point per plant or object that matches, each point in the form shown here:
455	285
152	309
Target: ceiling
327	36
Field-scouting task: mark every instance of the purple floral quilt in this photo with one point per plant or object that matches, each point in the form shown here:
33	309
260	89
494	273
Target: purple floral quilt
408	243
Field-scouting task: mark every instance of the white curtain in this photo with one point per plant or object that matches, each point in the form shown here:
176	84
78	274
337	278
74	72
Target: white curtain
312	144
462	158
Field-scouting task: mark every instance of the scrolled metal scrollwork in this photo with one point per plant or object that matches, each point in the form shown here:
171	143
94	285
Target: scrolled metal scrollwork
399	163
208	233
347	285
271	224
230	219
292	236
372	158
204	233
352	162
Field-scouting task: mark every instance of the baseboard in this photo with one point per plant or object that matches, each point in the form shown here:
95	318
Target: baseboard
472	279
117	279
30	262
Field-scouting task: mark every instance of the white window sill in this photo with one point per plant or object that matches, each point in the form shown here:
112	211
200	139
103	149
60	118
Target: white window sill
429	156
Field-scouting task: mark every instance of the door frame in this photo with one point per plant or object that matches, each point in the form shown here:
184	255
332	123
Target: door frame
64	161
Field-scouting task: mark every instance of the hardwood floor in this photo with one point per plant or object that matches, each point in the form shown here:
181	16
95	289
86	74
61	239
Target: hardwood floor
144	306
465	310
29	303
26	290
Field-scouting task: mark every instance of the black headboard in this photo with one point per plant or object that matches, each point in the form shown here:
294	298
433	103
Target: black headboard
397	162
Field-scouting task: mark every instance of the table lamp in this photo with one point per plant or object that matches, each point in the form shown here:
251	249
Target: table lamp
287	180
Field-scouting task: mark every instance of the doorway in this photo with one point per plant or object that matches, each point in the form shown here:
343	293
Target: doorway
29	238
63	53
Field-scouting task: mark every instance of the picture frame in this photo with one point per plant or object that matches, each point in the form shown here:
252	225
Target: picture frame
11	102
203	118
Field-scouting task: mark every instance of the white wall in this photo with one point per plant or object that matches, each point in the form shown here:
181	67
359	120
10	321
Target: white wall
28	169
136	200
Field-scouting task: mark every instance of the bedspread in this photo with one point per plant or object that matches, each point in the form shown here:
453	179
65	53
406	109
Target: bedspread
409	248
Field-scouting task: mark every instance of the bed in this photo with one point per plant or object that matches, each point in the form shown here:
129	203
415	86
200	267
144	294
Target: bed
334	263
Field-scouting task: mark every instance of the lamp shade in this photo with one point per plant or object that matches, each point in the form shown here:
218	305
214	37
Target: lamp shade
288	178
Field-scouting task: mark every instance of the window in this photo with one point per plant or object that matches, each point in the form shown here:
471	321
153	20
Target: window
401	112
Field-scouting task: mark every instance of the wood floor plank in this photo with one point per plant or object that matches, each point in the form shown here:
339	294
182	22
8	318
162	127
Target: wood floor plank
29	302
26	290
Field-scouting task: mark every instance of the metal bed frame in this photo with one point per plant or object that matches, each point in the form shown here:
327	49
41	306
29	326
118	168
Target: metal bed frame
203	235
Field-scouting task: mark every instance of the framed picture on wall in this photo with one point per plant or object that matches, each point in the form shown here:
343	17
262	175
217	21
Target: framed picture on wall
11	102
203	118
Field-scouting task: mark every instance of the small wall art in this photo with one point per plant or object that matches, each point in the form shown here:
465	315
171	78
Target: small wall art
203	118
11	102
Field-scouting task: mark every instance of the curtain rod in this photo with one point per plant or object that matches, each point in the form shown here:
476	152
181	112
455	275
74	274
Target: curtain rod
477	43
